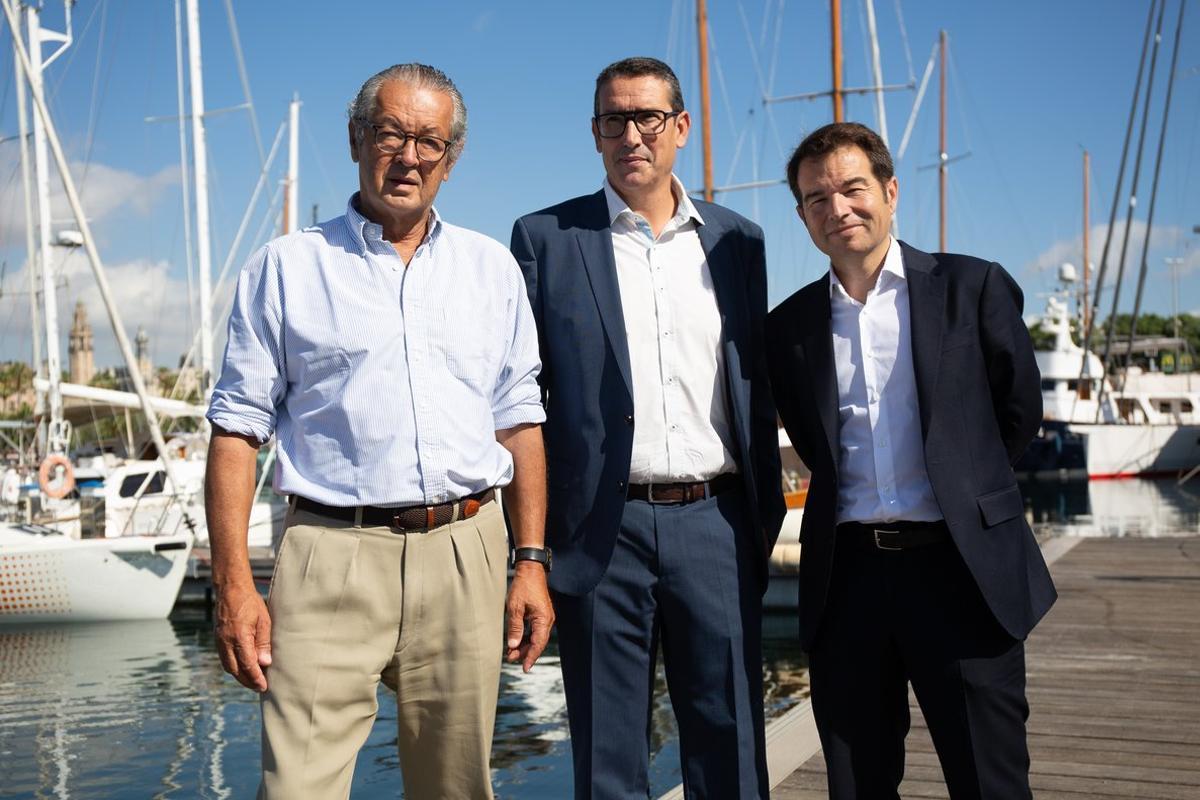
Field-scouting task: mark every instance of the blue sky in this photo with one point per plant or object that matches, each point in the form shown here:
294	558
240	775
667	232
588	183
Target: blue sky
1030	85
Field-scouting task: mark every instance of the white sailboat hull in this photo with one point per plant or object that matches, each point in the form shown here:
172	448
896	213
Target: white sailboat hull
1124	451
49	577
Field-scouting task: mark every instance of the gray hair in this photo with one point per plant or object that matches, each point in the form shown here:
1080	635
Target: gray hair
362	107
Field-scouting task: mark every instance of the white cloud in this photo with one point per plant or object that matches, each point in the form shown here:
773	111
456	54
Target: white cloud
144	292
103	190
1071	250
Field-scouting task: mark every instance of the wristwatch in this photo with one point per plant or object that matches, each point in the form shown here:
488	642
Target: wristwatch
542	555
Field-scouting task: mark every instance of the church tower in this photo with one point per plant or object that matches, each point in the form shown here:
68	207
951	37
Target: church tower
143	359
79	347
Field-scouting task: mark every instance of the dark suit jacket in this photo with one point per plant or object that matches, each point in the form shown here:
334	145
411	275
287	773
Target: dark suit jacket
566	254
980	404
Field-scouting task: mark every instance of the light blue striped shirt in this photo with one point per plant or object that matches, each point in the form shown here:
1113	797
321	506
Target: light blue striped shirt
383	384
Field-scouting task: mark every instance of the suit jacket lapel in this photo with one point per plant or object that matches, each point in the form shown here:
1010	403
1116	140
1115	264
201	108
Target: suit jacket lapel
818	352
927	313
594	238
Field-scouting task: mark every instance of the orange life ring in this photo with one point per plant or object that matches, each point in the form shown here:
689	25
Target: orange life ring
47	471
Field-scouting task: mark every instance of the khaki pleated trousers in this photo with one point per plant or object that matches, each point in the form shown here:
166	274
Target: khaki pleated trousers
422	611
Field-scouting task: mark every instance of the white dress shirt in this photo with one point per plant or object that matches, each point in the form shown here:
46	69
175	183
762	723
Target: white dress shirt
881	460
384	384
673	325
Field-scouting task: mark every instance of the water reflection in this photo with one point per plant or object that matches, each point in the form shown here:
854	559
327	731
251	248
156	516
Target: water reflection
1132	507
142	709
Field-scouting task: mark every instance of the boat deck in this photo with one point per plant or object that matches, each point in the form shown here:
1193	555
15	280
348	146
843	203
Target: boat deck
1114	684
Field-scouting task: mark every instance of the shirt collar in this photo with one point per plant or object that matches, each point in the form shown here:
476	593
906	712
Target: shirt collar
364	231
893	268
685	208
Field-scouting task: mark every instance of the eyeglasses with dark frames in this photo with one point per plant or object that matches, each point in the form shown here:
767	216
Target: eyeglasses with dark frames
430	149
648	122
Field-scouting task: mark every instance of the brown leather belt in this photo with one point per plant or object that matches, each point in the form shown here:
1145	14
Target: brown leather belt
406	518
900	535
682	493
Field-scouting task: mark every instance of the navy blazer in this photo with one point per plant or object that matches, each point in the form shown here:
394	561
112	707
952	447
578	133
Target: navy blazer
566	254
980	400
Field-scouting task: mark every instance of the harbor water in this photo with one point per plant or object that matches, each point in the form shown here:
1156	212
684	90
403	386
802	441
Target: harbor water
143	710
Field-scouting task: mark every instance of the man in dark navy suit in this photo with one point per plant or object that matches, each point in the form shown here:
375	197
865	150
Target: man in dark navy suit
664	484
907	383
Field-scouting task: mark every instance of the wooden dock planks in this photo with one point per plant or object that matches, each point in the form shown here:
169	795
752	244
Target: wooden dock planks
1114	682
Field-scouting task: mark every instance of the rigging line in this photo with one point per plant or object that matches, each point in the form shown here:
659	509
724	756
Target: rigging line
1133	190
956	86
1003	174
775	50
241	65
737	154
1112	217
753	50
912	117
66	68
316	154
185	179
912	78
258	187
93	113
1162	137
716	57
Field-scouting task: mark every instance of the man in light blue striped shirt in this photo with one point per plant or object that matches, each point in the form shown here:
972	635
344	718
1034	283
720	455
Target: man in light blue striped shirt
394	358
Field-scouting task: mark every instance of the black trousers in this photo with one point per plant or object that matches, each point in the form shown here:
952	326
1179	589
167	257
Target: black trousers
915	615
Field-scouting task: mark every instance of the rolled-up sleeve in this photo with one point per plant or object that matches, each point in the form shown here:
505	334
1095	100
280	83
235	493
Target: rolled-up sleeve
253	374
517	398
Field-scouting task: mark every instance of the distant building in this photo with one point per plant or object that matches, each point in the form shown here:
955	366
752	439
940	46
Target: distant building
82	356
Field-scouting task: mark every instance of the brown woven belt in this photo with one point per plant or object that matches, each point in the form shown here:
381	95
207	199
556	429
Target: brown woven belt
682	493
407	518
901	535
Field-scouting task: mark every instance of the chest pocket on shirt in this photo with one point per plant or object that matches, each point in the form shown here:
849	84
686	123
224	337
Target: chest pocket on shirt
467	340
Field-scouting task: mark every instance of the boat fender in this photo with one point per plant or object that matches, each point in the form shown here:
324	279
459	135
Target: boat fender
63	480
10	488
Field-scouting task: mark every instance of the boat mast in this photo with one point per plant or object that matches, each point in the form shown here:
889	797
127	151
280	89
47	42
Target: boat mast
58	432
89	245
835	26
1086	237
200	173
35	292
291	186
942	156
877	73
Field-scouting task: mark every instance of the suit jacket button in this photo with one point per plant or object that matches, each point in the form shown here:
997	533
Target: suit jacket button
629	419
620	486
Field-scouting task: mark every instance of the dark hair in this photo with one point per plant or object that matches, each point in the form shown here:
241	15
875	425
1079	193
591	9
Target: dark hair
826	139
638	67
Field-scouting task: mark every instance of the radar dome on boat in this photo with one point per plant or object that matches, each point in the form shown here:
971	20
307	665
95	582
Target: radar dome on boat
1067	273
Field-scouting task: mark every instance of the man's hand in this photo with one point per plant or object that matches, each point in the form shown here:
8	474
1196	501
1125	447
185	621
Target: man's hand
243	625
528	604
244	636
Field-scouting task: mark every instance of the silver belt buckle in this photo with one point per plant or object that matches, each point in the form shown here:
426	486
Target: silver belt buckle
879	544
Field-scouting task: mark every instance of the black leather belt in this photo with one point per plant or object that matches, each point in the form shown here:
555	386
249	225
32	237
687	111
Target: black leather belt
899	535
682	493
406	518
